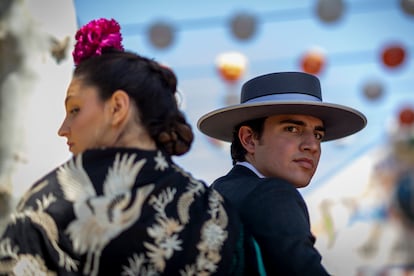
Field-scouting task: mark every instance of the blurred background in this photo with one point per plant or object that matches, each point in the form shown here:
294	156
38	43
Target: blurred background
361	198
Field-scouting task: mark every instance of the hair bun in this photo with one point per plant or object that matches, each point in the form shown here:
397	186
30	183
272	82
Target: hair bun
178	141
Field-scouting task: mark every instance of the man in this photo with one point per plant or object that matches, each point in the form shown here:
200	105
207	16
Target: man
276	134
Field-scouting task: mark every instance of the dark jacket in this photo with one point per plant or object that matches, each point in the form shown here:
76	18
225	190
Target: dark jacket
275	217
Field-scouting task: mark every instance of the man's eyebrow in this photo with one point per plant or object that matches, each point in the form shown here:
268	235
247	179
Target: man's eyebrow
291	121
300	123
320	128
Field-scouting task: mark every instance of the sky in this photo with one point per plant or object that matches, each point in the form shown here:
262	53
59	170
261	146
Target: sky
285	31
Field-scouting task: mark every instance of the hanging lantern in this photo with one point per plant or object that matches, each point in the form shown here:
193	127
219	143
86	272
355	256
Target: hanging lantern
393	55
406	116
313	62
243	26
231	66
373	90
330	10
161	35
407	6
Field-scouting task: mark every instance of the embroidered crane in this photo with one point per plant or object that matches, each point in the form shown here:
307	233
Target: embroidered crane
100	218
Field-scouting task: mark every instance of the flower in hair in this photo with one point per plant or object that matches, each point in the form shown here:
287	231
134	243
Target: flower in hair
95	36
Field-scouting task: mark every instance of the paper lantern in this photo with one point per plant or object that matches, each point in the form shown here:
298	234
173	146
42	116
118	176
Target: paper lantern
313	62
406	116
407	6
231	66
161	35
393	55
330	10
243	26
373	90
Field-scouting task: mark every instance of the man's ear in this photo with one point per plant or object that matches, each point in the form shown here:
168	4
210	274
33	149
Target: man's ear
247	138
119	106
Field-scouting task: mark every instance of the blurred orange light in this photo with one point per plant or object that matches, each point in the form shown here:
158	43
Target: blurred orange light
230	72
313	62
231	66
393	56
406	116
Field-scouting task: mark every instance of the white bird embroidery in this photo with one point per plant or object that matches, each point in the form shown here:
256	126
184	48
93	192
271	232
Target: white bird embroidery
101	218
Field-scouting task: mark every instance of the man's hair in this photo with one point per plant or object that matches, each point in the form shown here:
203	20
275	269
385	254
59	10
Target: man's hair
238	152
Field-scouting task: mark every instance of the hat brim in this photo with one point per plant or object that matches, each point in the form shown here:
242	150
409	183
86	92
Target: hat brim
339	121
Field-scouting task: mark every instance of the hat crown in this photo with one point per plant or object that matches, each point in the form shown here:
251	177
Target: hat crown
281	83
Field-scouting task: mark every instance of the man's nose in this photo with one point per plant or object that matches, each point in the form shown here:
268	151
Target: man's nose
310	142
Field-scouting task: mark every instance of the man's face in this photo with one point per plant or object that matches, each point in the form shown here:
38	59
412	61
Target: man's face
289	148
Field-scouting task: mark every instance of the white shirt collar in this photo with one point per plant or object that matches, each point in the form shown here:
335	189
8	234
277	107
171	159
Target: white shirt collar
251	167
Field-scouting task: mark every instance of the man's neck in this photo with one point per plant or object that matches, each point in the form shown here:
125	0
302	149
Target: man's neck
251	167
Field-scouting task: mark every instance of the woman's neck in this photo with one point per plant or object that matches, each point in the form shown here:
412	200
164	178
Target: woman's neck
134	136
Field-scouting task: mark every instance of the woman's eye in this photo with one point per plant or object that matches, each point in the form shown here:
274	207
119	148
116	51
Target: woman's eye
73	111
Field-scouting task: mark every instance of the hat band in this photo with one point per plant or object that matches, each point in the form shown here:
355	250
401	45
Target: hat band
285	97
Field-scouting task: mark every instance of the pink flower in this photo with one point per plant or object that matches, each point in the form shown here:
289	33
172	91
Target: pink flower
93	37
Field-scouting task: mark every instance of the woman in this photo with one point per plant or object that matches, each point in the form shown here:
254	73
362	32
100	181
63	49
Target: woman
120	206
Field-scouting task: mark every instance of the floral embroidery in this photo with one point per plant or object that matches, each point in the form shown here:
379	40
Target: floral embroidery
189	270
99	219
213	236
136	266
160	162
21	264
165	233
49	226
194	188
29	194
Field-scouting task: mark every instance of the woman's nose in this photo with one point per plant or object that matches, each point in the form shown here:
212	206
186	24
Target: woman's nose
63	130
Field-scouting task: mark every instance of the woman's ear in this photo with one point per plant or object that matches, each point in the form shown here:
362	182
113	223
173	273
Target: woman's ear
247	138
119	107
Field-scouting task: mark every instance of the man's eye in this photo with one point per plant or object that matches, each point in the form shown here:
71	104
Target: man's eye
319	136
292	129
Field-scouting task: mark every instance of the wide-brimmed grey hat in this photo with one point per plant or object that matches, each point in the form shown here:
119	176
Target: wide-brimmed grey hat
282	93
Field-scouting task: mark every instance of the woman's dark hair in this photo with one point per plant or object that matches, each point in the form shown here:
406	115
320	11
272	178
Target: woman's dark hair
238	152
152	88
